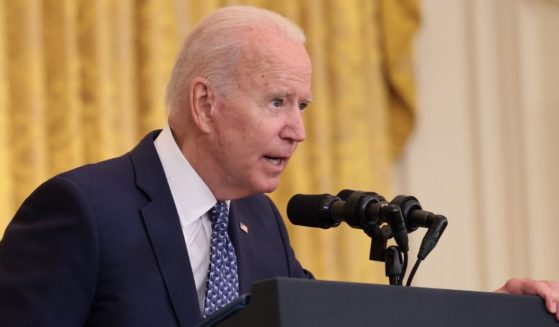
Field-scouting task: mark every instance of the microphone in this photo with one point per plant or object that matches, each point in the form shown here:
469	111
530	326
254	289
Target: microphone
359	210
416	217
322	210
377	218
374	206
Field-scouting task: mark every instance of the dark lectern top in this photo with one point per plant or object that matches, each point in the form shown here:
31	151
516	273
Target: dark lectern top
296	302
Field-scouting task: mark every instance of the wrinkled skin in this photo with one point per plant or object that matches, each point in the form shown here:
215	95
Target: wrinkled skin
251	133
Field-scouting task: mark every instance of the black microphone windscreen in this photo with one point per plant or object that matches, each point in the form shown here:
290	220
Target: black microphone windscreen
304	210
344	194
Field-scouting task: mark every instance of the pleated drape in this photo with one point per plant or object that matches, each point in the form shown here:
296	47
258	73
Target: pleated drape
83	81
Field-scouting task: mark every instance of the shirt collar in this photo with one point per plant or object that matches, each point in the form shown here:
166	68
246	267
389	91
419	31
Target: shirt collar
191	195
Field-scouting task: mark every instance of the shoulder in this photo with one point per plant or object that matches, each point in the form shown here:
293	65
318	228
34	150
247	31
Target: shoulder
104	174
120	174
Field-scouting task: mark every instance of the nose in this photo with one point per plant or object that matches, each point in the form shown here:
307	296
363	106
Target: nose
294	129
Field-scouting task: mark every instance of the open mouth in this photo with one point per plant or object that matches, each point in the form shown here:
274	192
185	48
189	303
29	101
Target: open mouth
275	160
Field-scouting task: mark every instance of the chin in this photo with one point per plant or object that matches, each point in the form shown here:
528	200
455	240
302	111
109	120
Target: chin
267	186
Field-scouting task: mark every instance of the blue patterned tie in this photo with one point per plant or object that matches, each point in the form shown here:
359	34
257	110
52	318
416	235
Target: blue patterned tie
223	281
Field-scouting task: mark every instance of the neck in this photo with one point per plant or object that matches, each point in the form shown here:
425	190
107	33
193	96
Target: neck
190	145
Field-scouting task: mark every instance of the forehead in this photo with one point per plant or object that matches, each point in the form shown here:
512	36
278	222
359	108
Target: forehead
267	55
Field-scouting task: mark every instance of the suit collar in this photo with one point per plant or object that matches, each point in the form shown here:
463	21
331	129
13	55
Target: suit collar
150	176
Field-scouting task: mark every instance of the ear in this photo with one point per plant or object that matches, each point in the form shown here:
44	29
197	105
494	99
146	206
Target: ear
202	103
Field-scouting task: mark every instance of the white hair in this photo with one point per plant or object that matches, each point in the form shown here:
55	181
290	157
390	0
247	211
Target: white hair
212	49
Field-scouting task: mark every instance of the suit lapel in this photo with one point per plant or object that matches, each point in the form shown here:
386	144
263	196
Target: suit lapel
243	250
164	231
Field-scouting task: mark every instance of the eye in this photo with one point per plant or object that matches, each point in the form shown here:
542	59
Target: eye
303	106
277	103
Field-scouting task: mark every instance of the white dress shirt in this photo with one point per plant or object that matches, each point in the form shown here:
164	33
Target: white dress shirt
193	200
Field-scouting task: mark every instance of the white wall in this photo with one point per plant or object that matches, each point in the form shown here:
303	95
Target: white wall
485	152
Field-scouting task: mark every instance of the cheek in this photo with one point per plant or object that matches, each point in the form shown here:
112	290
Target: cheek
244	135
244	147
236	143
243	132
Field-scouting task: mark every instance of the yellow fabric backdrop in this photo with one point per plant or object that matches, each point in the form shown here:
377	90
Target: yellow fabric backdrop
82	81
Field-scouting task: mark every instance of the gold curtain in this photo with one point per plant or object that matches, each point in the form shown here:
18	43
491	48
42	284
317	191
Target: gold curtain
82	81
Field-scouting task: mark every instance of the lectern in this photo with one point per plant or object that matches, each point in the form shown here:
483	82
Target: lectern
295	302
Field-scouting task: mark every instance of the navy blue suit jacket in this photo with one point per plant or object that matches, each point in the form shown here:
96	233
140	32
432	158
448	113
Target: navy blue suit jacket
102	245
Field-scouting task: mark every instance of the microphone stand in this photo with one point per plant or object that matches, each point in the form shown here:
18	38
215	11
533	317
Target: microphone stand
395	267
380	220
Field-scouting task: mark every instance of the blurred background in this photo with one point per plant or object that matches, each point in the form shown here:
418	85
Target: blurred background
452	101
484	151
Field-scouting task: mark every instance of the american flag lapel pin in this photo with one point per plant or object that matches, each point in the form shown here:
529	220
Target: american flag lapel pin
244	227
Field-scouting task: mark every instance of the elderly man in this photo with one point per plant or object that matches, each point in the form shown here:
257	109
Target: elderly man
178	227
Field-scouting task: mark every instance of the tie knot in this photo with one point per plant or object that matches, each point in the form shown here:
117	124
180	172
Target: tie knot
219	216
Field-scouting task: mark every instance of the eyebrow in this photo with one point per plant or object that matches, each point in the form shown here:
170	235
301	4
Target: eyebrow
281	94
284	94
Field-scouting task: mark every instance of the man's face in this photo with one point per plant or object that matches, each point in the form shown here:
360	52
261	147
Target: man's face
258	125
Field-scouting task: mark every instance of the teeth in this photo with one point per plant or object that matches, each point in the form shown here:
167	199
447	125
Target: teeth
274	162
